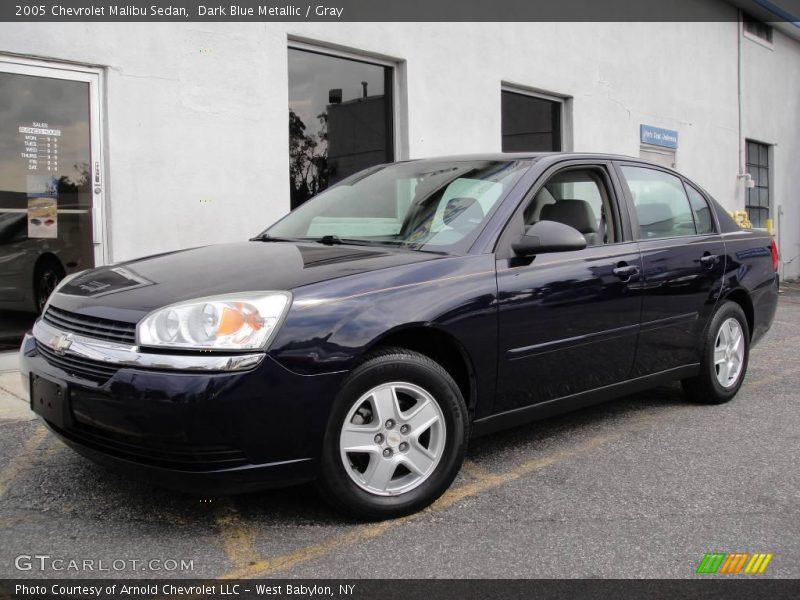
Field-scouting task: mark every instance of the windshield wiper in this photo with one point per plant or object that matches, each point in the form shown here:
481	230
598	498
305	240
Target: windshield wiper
335	240
329	240
265	237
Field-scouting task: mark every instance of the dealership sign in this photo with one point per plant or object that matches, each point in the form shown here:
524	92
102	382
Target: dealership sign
658	136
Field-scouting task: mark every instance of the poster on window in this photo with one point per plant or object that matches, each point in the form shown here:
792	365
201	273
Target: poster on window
42	206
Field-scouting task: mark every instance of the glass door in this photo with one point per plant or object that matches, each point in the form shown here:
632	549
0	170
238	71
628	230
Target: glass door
50	187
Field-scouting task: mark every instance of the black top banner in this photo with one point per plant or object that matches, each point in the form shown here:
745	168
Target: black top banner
787	11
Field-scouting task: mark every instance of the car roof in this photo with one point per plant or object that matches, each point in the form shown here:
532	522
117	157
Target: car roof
531	156
537	156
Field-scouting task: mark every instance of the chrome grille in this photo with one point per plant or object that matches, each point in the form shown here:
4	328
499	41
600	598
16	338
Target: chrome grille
91	327
93	370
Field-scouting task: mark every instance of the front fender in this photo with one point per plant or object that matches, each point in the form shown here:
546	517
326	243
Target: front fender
332	324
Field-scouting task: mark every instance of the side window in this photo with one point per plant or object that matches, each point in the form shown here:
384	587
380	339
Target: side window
578	198
702	211
661	204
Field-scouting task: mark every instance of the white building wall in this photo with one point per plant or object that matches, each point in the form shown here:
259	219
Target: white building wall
771	115
196	131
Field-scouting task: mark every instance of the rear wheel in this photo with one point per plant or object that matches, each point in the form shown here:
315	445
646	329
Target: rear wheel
725	355
396	437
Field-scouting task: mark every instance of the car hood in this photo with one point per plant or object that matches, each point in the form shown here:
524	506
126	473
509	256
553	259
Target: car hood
127	291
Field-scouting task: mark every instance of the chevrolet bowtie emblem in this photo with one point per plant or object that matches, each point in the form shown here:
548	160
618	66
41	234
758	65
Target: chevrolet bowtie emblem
61	344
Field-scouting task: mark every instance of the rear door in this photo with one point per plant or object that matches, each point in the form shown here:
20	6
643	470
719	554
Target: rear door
568	320
683	263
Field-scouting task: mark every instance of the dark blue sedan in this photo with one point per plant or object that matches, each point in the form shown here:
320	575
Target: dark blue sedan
364	338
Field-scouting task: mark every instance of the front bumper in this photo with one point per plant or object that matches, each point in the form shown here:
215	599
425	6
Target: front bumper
203	432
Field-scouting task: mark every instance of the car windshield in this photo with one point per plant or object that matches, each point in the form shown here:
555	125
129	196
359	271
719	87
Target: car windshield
425	205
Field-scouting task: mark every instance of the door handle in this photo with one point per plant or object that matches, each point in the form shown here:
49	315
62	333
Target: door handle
626	272
708	260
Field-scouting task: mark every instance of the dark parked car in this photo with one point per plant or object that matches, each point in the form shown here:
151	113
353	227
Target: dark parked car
364	338
31	267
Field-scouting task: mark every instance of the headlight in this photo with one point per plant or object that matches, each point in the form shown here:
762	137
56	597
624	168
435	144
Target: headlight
231	322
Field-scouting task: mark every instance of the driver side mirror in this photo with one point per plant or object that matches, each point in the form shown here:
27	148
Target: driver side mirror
548	236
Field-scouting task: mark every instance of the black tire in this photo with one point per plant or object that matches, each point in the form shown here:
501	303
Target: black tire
394	365
46	275
705	388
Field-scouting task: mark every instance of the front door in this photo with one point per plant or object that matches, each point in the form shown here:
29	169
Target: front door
568	320
50	186
683	264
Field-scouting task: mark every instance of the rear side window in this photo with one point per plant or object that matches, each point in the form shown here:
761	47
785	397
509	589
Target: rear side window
701	210
662	207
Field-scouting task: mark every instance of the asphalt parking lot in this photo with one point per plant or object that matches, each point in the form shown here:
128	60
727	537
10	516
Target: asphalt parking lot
640	487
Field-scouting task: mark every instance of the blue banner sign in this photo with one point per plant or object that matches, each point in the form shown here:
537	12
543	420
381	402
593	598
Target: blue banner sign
658	136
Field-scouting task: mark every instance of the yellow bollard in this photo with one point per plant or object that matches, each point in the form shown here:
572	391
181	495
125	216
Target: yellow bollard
770	227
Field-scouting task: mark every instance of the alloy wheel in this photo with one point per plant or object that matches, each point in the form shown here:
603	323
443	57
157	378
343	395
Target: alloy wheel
392	438
729	352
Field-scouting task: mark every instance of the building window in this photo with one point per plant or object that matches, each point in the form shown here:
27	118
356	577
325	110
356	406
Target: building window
340	120
757	28
530	123
757	164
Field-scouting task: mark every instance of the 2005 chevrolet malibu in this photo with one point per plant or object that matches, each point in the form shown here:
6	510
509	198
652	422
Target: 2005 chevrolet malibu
364	338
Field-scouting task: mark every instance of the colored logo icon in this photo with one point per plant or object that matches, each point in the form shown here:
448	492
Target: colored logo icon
734	562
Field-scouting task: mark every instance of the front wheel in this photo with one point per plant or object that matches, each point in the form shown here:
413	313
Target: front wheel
725	355
396	437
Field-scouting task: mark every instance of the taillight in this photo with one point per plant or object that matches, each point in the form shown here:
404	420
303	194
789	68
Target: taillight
774	249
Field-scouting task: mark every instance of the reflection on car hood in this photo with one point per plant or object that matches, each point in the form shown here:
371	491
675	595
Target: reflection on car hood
129	290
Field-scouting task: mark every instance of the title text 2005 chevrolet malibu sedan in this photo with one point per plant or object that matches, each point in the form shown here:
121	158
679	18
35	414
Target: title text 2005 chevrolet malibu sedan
365	337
